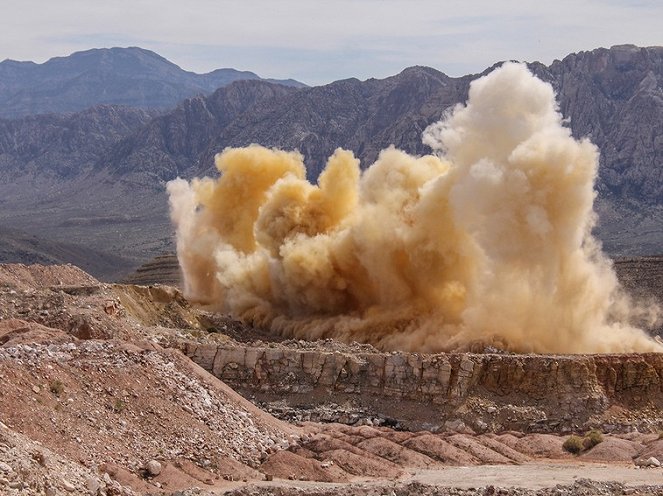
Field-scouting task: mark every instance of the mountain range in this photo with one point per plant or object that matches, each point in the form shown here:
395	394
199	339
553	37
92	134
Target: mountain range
132	76
97	177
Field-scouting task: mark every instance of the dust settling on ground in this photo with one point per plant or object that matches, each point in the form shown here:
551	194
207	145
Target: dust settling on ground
487	241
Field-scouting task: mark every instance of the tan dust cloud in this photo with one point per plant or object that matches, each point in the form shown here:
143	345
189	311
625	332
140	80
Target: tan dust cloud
487	242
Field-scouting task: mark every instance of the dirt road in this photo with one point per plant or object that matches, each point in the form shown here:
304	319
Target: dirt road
536	475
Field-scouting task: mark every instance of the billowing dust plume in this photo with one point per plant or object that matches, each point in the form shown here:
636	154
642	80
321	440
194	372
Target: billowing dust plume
487	242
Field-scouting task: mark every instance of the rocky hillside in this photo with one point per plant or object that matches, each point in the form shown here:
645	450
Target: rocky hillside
120	76
365	117
186	139
64	146
19	247
97	399
163	269
614	96
59	178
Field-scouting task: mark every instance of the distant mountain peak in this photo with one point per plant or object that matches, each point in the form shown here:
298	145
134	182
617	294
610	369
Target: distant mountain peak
130	76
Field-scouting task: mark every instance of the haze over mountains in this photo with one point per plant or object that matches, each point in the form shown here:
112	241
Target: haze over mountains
97	177
119	76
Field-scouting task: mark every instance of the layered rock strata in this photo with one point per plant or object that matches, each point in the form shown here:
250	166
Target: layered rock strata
486	392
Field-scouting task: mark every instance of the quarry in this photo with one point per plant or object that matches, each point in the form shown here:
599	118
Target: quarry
433	325
124	389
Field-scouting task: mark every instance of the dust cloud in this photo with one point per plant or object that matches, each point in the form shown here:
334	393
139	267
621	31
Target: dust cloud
486	242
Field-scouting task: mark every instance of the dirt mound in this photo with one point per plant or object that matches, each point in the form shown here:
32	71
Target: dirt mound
655	449
396	453
438	449
478	450
538	445
19	276
157	306
16	331
614	450
503	449
287	465
28	467
362	466
116	404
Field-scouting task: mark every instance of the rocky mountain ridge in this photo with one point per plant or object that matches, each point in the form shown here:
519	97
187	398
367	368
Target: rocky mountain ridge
613	96
63	146
120	76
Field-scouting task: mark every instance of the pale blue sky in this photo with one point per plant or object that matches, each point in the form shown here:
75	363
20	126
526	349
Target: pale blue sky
320	41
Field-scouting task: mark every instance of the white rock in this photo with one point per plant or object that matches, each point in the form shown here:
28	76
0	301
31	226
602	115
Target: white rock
455	425
153	467
68	486
5	468
93	485
648	462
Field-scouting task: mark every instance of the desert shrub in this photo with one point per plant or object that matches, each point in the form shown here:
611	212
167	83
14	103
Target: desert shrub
573	444
592	438
119	406
56	387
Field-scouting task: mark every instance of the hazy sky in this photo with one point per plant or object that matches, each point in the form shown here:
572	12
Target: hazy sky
320	41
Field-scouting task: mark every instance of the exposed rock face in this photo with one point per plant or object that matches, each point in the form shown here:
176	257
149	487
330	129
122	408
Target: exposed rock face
121	76
361	116
65	145
641	273
615	97
643	277
191	132
164	269
488	391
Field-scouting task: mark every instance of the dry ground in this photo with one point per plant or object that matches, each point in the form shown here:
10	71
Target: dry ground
90	393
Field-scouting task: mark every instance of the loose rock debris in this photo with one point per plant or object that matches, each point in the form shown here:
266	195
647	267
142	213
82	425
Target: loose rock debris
96	398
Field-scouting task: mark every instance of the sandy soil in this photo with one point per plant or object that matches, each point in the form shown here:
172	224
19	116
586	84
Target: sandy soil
537	475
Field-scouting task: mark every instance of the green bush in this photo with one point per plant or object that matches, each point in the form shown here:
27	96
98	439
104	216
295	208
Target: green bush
574	444
592	438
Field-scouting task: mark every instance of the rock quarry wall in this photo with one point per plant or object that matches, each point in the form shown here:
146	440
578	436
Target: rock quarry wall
482	391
